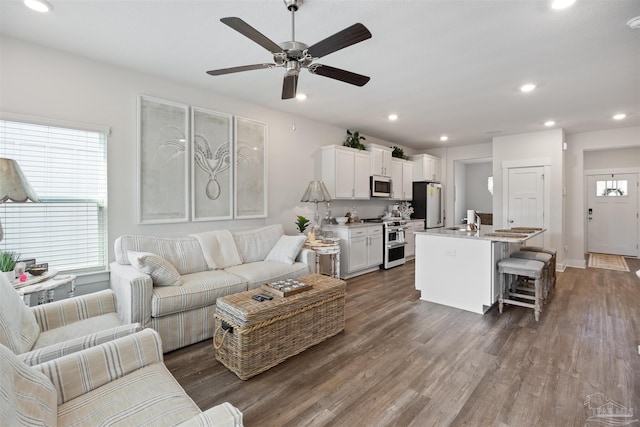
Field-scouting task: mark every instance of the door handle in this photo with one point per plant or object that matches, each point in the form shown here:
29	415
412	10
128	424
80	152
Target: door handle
511	221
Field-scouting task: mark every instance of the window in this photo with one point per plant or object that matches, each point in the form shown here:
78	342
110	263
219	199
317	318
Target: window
612	188
68	170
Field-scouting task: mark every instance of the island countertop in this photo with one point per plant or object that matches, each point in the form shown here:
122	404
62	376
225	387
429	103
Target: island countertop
487	232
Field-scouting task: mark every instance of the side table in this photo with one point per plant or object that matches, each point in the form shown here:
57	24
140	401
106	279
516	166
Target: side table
45	286
331	249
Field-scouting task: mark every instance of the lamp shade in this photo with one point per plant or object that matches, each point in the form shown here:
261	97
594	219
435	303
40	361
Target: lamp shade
316	192
13	185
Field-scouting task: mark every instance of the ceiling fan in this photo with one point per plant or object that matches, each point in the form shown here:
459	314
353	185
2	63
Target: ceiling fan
294	55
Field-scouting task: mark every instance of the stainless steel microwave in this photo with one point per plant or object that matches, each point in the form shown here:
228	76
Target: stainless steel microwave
380	186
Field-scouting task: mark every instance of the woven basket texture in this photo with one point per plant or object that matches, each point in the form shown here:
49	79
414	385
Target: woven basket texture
269	332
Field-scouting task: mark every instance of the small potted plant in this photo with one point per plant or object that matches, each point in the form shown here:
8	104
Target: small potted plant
399	153
8	264
302	223
354	140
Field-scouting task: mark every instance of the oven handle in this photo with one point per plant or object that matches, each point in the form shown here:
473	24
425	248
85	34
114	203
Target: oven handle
396	245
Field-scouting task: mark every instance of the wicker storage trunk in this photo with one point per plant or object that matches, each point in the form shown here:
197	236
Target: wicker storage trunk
269	332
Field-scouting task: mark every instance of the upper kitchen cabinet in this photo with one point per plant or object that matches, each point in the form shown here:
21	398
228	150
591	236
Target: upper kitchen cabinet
380	159
346	172
426	168
401	179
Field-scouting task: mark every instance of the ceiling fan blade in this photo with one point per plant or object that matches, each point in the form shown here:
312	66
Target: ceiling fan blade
289	86
239	69
338	74
347	37
248	31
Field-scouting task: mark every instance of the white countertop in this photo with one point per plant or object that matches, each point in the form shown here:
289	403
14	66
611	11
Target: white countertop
485	233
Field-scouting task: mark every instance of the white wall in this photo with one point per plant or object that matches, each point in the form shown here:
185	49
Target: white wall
478	197
614	158
533	149
52	84
578	146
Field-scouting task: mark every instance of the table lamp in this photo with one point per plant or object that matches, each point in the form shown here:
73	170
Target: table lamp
316	192
13	185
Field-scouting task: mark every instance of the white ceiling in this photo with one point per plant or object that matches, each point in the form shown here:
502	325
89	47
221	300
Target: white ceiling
444	66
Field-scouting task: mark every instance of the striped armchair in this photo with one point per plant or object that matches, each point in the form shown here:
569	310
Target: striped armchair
45	332
121	382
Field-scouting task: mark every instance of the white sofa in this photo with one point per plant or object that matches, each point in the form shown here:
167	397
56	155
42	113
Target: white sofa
176	281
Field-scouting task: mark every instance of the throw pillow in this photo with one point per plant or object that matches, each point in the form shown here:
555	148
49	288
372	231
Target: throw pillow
286	249
161	271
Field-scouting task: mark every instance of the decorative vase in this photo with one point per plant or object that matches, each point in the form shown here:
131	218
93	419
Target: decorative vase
10	275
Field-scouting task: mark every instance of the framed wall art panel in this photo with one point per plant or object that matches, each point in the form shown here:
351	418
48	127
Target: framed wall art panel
250	175
163	161
212	165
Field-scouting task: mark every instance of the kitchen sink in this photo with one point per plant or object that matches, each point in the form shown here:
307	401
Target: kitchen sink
459	228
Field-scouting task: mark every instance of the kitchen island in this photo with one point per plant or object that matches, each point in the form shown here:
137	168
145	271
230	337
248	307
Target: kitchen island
458	268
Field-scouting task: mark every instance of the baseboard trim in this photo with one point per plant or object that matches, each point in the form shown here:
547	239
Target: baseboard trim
576	263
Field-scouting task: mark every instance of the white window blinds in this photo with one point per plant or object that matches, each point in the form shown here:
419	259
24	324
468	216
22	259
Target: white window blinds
68	170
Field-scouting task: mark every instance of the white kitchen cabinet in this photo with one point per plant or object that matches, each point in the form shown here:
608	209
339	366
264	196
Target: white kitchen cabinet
380	159
360	248
346	172
401	179
426	168
410	237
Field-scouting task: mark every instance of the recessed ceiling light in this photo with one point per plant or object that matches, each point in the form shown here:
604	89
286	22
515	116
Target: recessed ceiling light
561	4
444	138
393	117
549	123
634	23
301	96
619	116
39	5
528	87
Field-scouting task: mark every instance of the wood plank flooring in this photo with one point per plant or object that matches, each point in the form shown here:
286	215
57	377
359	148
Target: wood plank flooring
406	362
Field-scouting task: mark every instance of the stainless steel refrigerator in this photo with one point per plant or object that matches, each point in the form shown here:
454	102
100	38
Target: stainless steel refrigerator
427	203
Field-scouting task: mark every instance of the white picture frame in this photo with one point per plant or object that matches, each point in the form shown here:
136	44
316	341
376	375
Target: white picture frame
250	172
212	165
163	161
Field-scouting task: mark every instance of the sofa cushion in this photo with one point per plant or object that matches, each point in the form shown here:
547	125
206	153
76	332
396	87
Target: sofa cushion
161	271
257	273
286	249
197	290
219	249
27	397
78	329
254	245
147	396
19	329
184	253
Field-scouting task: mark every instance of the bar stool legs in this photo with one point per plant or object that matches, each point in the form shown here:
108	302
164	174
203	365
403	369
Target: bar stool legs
528	268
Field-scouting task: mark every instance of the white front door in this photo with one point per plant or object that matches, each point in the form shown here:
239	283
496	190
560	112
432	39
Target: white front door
612	214
526	200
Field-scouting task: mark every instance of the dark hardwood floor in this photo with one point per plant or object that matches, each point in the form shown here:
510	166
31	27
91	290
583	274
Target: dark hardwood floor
406	362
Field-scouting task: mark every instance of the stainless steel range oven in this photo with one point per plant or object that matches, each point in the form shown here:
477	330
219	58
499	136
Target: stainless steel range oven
394	243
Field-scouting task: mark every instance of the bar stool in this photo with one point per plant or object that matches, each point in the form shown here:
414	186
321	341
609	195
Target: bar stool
542	257
549	251
521	267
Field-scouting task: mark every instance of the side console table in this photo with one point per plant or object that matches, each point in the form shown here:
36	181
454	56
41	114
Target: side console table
331	249
45	286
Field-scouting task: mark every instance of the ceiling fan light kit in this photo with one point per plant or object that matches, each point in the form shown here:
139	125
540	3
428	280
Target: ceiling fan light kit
294	55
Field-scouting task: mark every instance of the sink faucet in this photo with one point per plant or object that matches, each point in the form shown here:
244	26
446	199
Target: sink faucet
473	224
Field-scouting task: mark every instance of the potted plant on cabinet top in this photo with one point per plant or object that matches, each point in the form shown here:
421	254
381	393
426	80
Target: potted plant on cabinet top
354	140
399	153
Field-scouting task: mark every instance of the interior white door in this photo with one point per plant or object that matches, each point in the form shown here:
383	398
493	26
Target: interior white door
526	200
612	214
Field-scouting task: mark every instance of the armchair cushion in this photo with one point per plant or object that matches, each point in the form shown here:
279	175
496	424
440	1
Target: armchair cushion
286	249
18	327
224	414
27	397
161	271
